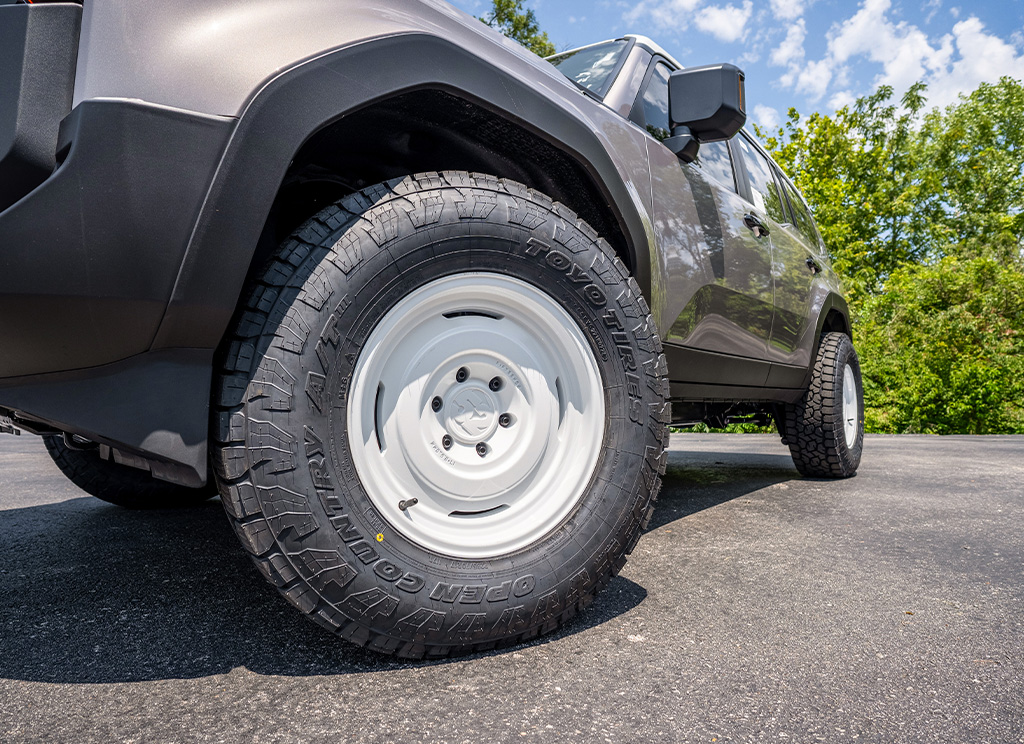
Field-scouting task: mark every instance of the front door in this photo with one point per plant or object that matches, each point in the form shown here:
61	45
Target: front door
719	286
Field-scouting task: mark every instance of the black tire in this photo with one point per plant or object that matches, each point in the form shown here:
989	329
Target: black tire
288	479
814	427
119	484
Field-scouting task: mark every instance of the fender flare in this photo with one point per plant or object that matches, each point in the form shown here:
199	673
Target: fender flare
300	101
833	301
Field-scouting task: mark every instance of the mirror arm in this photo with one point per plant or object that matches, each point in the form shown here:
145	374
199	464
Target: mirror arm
683	143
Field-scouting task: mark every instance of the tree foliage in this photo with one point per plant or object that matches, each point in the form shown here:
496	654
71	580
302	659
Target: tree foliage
924	215
942	349
519	23
974	170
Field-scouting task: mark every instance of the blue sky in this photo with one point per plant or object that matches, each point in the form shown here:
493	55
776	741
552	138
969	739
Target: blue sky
815	55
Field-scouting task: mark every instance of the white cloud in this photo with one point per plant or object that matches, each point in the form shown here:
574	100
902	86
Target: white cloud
982	57
725	23
673	14
791	50
903	54
749	57
903	50
860	33
766	116
787	10
813	79
842	98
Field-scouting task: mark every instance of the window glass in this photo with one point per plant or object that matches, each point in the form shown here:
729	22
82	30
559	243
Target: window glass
802	217
655	102
714	162
764	190
592	66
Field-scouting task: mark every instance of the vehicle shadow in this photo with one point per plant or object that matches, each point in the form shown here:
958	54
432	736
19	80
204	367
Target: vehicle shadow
697	481
92	593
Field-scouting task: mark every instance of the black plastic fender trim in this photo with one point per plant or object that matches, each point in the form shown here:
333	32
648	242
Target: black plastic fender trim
301	101
832	302
89	258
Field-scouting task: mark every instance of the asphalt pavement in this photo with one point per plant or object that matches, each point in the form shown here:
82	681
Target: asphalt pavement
758	607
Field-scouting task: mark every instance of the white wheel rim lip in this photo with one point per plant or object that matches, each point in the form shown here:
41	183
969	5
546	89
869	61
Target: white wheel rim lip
535	470
850	407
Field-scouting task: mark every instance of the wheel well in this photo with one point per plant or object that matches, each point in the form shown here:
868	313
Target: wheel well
430	130
836	322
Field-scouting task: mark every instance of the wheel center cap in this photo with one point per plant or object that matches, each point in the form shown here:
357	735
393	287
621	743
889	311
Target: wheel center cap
471	414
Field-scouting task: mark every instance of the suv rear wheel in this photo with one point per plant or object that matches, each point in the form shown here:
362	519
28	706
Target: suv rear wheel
442	418
825	429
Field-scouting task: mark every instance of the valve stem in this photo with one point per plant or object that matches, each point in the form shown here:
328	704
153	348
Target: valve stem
403	505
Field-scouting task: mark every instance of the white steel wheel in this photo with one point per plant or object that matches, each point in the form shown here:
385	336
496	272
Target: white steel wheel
851	409
476	415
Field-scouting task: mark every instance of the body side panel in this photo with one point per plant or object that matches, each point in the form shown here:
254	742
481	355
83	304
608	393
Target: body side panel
215	55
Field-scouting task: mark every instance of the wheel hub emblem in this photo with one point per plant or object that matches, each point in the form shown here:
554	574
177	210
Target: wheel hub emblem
472	414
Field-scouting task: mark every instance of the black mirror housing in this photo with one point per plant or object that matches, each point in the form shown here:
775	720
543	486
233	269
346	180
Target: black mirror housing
710	101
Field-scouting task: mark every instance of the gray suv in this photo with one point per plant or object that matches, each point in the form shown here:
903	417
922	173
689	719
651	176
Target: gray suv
417	304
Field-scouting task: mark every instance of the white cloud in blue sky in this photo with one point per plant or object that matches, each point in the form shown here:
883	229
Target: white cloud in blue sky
811	54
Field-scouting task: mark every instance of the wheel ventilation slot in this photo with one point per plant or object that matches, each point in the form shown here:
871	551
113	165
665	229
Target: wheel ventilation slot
471	514
561	401
378	422
472	314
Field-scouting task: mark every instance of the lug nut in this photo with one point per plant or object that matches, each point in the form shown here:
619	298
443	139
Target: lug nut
495	384
462	375
481	449
446	442
504	420
436	403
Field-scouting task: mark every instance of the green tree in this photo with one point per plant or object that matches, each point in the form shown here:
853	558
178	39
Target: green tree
510	18
924	216
973	157
859	171
942	349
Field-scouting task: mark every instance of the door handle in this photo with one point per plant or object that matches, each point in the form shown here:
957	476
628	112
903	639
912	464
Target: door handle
813	266
754	222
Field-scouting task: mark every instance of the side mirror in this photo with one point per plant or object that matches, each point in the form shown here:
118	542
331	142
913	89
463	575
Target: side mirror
706	104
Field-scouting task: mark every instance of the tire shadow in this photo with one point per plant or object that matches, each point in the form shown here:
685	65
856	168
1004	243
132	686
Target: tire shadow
91	593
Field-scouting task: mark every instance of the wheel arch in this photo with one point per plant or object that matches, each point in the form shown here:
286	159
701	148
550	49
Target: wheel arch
833	317
297	112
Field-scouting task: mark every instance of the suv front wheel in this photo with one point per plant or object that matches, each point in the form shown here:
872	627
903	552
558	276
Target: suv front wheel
442	417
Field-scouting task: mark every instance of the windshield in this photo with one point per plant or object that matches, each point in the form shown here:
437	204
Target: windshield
592	66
